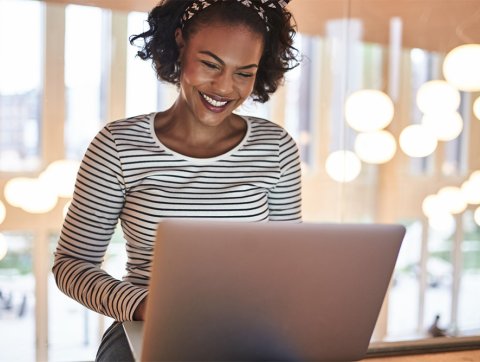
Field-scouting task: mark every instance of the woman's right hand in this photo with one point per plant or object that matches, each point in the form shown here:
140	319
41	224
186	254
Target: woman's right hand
139	314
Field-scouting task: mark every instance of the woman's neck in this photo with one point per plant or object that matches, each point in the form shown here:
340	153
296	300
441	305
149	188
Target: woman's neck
178	129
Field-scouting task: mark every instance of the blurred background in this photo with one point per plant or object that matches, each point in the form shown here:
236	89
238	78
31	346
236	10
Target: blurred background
385	108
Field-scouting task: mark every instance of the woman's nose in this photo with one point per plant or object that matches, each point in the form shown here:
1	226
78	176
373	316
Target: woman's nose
223	83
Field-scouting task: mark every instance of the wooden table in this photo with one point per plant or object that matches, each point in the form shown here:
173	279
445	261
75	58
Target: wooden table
442	349
458	356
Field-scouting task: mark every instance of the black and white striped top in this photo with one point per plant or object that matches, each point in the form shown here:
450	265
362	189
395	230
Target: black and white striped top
128	174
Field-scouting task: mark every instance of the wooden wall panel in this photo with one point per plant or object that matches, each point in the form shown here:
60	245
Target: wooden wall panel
427	24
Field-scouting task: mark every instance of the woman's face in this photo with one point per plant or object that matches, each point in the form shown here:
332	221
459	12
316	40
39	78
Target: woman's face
218	70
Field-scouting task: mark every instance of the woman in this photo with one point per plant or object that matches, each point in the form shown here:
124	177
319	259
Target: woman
197	159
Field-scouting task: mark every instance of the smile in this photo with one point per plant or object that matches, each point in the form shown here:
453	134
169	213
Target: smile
213	102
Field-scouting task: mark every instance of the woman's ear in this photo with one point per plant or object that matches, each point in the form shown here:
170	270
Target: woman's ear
180	41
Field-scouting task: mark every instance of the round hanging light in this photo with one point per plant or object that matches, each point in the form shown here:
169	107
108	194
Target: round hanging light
61	174
375	147
475	176
30	194
431	205
368	110
3	212
443	224
41	197
3	247
15	191
417	141
476	216
438	96
343	166
460	67
471	192
445	126
452	199
476	108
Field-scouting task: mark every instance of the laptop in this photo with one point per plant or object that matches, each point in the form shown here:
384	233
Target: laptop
230	291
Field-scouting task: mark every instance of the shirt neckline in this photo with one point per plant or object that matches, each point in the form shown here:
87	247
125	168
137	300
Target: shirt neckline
197	159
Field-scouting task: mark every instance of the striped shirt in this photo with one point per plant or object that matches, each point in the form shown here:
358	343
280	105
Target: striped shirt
127	174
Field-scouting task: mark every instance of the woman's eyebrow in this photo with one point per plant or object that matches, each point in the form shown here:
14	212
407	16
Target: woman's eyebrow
218	59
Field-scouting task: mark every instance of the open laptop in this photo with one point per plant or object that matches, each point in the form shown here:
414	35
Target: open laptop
225	291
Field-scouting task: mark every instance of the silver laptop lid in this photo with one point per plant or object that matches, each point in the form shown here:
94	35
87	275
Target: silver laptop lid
223	291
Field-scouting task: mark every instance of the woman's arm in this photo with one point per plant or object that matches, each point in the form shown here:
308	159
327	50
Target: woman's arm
88	227
285	199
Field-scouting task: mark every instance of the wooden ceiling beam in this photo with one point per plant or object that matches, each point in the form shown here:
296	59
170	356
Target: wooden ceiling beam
427	24
120	5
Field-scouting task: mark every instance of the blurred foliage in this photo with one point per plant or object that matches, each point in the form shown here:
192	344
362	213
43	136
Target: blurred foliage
17	263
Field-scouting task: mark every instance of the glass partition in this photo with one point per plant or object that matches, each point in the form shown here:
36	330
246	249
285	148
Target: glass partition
394	139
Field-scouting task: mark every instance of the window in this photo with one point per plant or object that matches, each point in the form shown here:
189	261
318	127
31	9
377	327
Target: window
404	292
86	59
17	298
145	93
421	71
78	339
21	47
468	312
455	160
300	99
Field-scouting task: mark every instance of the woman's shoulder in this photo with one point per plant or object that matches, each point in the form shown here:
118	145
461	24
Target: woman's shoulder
265	129
127	132
140	123
257	123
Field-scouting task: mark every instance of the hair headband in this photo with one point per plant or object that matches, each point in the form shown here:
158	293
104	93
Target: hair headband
198	5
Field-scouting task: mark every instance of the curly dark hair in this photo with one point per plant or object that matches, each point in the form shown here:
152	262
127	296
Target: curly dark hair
279	54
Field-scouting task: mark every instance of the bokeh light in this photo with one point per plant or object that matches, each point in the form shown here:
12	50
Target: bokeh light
61	174
452	199
3	212
3	247
476	216
445	126
438	96
375	147
343	166
368	110
417	141
460	67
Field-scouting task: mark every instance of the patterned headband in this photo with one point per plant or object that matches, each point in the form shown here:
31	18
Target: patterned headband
198	5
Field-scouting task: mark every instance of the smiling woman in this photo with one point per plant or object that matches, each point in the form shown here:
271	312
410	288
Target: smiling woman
196	159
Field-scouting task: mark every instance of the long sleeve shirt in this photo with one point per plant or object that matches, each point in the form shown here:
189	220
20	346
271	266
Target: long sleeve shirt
128	175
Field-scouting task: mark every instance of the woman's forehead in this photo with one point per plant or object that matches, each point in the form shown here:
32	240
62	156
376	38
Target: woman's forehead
224	25
228	39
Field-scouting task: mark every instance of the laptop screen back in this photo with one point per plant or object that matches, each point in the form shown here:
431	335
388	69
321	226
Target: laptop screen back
223	291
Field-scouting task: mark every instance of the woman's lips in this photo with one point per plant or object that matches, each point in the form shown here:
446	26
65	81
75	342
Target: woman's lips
216	104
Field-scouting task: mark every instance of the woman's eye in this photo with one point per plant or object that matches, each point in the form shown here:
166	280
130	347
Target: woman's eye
245	75
210	65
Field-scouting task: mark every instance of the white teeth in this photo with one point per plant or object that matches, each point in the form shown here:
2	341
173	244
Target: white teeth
212	101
